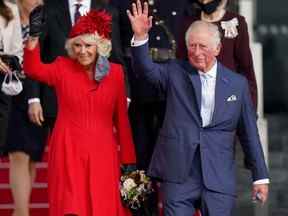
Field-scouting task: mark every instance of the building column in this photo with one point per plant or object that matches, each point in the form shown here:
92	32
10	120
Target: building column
247	8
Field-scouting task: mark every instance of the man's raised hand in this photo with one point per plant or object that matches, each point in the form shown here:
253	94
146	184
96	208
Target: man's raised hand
140	21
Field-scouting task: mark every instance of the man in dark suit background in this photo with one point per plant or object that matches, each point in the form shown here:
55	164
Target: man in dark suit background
147	108
206	104
60	16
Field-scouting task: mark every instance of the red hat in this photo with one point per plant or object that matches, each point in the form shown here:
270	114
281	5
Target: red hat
94	21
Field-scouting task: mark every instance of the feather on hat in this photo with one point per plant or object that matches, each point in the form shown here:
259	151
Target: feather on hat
95	21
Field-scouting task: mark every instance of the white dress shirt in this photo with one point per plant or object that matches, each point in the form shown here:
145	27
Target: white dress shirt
208	84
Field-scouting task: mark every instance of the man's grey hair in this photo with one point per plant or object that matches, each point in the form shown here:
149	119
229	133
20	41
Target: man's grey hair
200	25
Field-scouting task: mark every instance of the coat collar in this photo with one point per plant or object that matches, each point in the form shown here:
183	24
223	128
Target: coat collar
194	77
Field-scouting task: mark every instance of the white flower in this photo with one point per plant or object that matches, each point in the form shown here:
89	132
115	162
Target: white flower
142	176
129	184
141	188
124	194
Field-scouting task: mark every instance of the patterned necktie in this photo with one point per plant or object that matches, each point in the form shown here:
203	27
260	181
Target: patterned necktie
207	104
77	12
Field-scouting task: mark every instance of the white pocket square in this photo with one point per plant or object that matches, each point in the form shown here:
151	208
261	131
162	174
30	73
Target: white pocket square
232	98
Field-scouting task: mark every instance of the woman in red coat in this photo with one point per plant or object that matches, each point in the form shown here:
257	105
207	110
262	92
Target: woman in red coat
235	52
92	137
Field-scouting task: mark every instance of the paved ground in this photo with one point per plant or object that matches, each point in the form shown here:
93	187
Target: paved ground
278	165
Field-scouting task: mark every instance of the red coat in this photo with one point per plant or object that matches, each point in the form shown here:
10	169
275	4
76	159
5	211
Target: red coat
84	151
235	52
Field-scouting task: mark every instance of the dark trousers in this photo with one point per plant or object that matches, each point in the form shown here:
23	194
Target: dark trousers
5	102
48	126
183	199
146	120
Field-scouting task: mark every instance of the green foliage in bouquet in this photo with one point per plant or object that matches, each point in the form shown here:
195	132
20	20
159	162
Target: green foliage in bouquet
135	188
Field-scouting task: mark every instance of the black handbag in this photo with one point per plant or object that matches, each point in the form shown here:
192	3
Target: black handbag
12	62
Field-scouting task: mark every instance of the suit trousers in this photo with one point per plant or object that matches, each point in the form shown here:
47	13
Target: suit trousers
182	199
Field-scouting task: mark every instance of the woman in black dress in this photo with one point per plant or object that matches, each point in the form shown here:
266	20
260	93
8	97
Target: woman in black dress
25	140
10	43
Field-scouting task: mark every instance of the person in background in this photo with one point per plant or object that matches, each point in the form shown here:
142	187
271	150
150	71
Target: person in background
84	154
147	108
235	52
25	141
11	44
206	104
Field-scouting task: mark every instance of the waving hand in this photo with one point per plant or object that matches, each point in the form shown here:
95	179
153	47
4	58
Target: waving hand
140	21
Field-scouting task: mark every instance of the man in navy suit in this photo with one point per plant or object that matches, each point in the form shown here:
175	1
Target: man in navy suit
206	104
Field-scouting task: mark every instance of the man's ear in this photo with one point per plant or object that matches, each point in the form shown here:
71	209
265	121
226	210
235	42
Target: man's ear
218	49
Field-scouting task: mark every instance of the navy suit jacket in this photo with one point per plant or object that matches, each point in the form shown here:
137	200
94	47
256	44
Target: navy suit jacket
182	132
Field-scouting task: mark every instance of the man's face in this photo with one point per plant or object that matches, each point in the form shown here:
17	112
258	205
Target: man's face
202	50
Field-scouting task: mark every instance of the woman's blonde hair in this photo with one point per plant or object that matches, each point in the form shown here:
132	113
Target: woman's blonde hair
104	45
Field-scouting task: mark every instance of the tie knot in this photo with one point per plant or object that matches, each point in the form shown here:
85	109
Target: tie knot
78	5
206	76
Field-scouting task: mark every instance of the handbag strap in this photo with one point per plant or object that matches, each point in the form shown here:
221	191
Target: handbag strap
9	76
15	75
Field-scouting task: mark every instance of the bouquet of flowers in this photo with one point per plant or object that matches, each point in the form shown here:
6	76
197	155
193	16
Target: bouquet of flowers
135	188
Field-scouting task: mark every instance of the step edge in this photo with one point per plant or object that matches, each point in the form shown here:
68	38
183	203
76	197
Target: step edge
32	206
40	165
35	185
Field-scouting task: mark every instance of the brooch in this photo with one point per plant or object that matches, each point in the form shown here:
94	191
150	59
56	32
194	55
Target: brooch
230	28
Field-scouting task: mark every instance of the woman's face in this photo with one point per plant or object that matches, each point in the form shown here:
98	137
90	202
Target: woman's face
85	53
205	1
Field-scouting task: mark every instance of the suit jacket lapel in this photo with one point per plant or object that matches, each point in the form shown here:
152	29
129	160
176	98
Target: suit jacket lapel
63	15
221	93
194	77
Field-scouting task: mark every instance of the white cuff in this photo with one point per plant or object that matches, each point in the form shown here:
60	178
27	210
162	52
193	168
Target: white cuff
135	43
261	181
33	100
